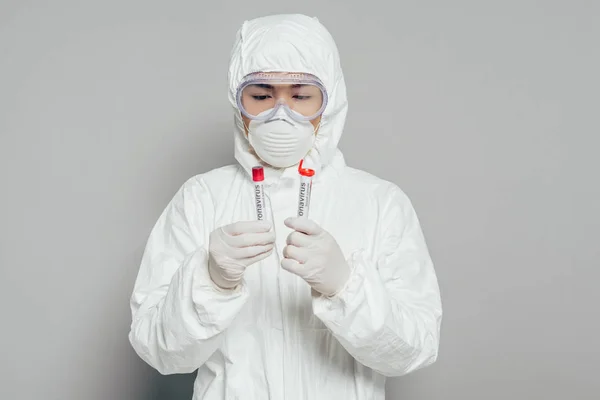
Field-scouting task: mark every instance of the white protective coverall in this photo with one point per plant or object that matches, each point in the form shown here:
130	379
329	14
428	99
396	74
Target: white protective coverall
271	337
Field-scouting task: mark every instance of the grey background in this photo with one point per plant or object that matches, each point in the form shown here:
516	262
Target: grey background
485	113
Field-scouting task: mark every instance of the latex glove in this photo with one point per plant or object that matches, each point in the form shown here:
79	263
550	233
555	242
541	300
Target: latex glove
234	247
315	256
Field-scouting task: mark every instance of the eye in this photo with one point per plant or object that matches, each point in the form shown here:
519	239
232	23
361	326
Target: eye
261	97
300	97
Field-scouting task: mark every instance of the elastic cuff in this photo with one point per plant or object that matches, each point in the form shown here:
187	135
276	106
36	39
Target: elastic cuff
226	291
203	282
322	305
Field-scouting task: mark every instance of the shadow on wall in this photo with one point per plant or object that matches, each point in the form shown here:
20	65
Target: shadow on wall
171	387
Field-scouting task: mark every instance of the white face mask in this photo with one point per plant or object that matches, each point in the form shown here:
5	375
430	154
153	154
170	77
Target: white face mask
281	141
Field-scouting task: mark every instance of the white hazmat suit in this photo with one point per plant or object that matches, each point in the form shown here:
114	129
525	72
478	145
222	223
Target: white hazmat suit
273	336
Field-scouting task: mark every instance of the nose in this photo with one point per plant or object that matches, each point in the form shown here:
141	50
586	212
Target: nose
281	114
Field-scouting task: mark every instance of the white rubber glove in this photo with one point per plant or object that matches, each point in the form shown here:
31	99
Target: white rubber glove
315	256
234	247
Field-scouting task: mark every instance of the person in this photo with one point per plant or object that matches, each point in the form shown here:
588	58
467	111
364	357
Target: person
320	307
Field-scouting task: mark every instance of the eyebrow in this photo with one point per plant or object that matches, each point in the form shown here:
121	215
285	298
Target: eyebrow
263	86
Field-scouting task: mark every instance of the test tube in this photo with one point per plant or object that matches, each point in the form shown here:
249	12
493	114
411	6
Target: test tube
258	176
306	176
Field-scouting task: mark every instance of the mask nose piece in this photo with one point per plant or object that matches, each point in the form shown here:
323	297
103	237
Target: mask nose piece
280	114
275	119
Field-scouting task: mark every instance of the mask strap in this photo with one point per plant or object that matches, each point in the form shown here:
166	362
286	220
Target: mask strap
316	130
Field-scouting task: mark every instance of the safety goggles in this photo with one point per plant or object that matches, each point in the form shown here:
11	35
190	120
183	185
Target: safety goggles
262	94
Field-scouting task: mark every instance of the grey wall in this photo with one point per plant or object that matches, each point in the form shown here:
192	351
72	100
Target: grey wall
485	114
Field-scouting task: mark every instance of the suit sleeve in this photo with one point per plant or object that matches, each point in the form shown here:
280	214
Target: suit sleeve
178	314
388	316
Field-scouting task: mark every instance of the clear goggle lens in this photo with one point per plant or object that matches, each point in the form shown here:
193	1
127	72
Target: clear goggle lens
260	95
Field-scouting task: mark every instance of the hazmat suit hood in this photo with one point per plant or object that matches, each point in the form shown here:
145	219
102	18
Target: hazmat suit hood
290	43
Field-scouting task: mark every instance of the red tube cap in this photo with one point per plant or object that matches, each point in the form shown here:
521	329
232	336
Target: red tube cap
258	174
305	171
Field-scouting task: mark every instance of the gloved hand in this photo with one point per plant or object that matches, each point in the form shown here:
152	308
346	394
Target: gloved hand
234	247
315	256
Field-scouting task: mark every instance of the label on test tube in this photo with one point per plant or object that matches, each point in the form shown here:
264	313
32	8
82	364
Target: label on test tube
306	175
258	176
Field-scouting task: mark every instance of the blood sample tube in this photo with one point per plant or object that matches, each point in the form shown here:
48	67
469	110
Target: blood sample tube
306	176
258	176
